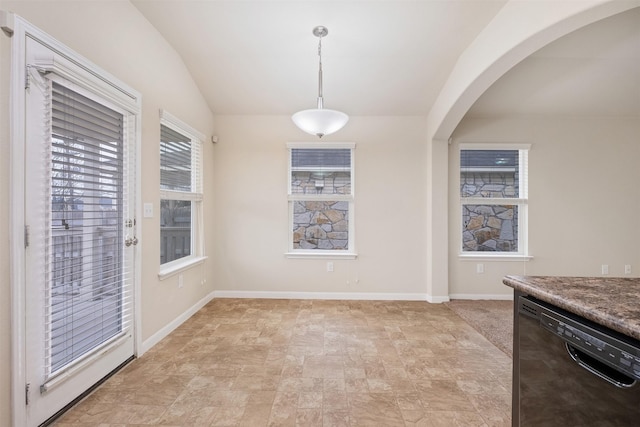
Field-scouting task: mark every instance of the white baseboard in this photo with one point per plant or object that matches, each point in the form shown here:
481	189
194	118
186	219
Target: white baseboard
362	296
170	327
501	297
437	299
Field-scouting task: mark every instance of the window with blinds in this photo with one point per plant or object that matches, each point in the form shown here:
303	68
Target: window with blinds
493	194
88	306
321	198
180	192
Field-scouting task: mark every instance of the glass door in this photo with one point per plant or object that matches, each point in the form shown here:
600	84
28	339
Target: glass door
79	210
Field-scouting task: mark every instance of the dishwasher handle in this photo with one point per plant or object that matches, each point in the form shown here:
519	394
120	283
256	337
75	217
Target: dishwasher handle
600	369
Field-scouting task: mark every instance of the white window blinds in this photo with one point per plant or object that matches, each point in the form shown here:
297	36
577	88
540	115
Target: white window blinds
88	302
175	160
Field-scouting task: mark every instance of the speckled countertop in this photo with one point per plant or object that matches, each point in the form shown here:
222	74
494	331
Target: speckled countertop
611	302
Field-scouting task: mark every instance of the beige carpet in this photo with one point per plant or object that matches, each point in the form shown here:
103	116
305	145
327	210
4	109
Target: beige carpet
493	319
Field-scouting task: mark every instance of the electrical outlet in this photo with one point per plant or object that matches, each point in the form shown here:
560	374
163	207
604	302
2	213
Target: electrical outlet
180	281
605	269
479	268
627	269
329	266
148	210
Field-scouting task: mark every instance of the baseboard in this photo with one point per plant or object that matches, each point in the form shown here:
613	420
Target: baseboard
436	299
502	297
362	296
171	326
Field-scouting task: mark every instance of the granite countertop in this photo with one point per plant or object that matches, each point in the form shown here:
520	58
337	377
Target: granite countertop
611	302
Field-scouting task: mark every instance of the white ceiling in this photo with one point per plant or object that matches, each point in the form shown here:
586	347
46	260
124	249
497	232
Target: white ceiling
386	57
381	57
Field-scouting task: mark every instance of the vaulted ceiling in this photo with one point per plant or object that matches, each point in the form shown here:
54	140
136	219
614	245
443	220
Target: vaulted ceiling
387	57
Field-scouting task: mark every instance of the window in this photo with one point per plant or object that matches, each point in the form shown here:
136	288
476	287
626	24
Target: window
321	199
493	194
180	194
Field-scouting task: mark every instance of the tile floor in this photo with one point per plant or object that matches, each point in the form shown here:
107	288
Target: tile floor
242	362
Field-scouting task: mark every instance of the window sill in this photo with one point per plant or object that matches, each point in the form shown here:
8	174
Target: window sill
496	257
166	272
320	255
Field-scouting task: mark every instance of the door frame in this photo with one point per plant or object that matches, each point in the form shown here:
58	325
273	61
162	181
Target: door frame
19	29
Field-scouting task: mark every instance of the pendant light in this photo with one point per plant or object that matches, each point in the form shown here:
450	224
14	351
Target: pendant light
320	121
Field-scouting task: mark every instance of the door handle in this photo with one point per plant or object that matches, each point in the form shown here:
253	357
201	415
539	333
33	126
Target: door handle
599	369
131	241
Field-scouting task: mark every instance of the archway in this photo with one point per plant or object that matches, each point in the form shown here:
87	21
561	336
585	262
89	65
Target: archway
517	31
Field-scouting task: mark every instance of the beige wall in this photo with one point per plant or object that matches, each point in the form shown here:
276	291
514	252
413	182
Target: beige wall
118	39
583	198
252	217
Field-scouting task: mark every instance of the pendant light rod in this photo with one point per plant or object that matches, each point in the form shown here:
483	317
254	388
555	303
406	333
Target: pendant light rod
320	32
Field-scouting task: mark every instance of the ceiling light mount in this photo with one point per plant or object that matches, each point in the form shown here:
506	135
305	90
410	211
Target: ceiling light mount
320	121
320	31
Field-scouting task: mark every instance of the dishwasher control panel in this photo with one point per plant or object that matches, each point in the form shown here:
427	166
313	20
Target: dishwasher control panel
606	351
621	353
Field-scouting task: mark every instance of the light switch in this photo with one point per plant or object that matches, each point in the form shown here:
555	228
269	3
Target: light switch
148	210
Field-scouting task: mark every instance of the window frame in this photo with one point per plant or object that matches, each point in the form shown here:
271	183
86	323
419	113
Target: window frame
195	196
350	252
522	202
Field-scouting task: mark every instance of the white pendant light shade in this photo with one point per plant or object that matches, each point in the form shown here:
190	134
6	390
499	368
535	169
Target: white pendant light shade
320	121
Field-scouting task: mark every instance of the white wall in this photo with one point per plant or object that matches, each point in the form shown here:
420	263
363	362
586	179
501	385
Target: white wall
252	215
117	38
583	198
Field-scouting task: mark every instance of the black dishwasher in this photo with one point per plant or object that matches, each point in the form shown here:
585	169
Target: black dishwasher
569	371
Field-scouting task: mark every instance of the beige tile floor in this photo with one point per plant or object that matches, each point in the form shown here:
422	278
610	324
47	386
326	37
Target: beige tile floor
251	362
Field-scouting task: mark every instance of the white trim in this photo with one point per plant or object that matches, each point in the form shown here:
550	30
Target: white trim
320	197
351	145
171	120
17	217
359	296
437	299
520	201
6	22
171	326
174	267
321	254
66	68
82	363
190	196
494	146
499	256
137	256
499	297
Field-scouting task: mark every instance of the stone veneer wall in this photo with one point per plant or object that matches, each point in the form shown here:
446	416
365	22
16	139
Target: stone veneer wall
489	228
316	183
321	225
